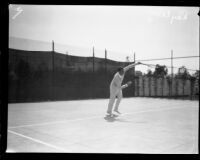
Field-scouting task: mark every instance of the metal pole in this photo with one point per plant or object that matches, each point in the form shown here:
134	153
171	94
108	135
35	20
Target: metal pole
105	74
134	77
93	62
53	46
172	72
52	70
172	63
93	74
105	61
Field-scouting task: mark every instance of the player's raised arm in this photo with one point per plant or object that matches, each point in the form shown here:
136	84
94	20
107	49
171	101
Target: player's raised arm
130	66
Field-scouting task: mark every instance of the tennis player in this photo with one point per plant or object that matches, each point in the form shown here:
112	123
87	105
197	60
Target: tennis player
116	88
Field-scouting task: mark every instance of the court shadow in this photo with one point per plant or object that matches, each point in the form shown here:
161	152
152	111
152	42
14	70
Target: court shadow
115	119
109	119
140	121
121	120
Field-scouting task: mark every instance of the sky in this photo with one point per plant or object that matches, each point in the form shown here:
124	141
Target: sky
148	31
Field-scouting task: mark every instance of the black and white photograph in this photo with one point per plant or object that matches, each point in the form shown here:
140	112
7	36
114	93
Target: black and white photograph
103	79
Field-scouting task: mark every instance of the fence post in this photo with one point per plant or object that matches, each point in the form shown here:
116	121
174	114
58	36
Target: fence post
106	61
191	87
134	78
143	83
171	72
149	86
52	78
106	78
162	85
138	93
183	81
93	84
168	85
155	85
176	87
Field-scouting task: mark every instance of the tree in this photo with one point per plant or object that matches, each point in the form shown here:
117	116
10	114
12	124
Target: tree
149	73
195	82
183	73
196	75
160	71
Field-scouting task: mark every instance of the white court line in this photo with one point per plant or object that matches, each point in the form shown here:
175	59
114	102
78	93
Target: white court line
38	141
94	117
55	122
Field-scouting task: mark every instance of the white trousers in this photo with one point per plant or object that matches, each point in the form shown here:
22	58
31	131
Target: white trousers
114	92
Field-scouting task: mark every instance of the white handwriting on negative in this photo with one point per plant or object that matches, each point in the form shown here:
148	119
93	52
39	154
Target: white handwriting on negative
18	10
181	15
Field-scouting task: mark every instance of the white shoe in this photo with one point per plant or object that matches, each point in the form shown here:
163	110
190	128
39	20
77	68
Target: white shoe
117	112
108	114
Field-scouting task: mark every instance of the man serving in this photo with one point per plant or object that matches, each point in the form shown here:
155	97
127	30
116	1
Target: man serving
116	88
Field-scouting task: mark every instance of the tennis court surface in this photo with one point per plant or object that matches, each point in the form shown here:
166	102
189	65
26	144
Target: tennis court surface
147	125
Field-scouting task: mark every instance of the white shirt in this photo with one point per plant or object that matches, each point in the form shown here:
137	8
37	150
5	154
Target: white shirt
117	80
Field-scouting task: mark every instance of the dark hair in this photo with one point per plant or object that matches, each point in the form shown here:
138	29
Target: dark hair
119	69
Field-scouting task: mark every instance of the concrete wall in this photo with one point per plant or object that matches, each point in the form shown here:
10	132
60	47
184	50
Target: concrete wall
151	86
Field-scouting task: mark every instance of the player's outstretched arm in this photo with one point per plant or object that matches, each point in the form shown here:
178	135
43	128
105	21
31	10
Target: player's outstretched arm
130	66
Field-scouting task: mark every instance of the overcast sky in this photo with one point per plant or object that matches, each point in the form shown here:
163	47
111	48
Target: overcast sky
150	32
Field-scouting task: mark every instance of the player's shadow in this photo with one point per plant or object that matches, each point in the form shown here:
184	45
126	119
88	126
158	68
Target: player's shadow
114	119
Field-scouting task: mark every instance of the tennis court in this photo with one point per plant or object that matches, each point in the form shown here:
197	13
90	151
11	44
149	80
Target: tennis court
147	125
